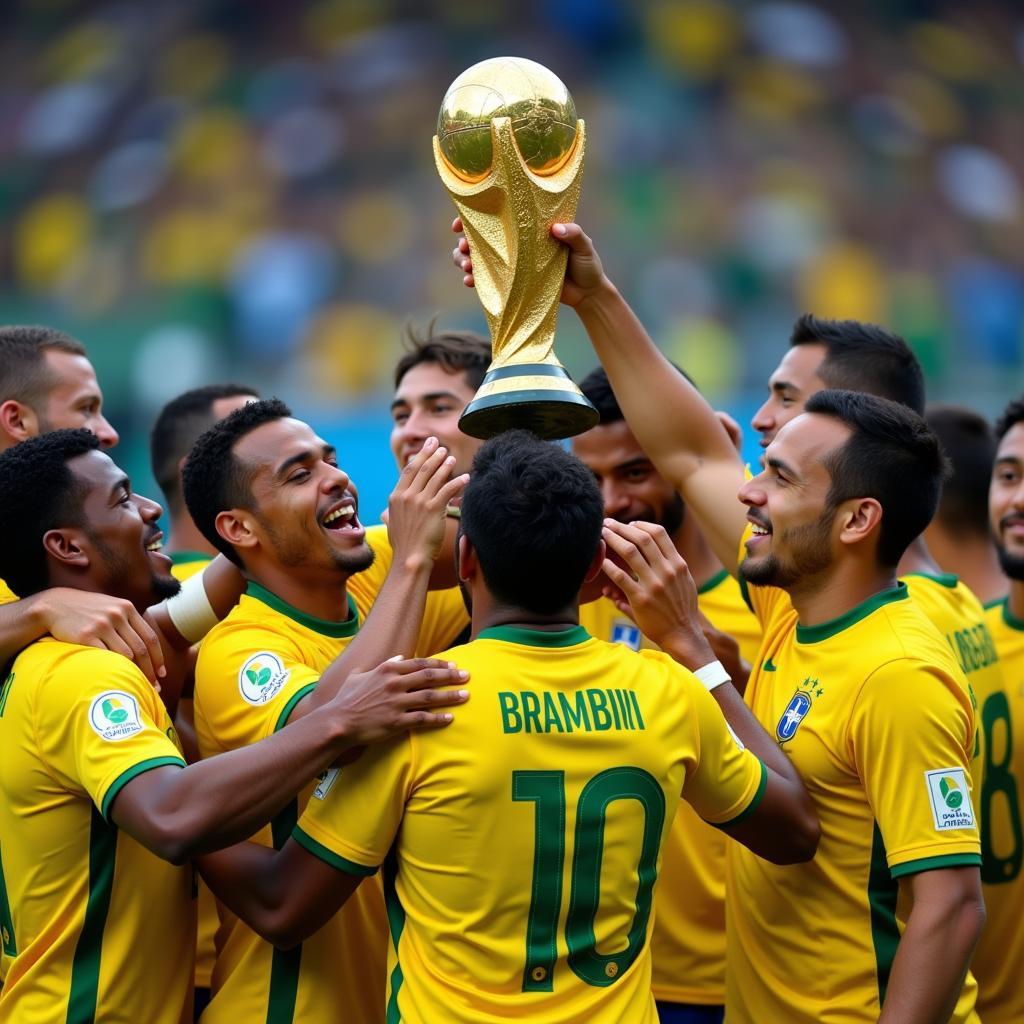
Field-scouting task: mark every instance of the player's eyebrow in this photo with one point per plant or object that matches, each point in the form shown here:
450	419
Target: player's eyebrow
431	396
1008	460
122	485
640	460
778	386
778	465
306	455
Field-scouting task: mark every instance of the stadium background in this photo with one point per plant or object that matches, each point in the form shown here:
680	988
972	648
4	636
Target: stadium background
225	190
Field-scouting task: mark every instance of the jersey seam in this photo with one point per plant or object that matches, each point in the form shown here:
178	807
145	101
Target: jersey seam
336	860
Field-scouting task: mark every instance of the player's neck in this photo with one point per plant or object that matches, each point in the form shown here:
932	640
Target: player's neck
839	590
917	558
322	594
488	613
184	535
1015	600
973	558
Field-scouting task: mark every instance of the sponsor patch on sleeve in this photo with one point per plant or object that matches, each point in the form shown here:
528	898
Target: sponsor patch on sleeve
261	677
114	716
950	798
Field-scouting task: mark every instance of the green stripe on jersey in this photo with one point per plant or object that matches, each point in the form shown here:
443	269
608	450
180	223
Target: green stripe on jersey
85	967
882	892
285	964
396	924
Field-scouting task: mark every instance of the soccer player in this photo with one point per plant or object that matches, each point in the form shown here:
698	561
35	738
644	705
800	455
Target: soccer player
268	493
851	680
99	814
959	536
520	856
177	427
688	944
48	383
999	959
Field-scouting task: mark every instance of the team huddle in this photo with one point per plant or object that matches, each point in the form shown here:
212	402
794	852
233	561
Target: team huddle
627	733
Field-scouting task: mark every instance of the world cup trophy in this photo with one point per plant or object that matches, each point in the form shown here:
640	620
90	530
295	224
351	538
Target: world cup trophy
509	150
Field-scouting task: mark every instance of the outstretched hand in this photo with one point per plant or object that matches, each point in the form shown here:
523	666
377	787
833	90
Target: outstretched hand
584	275
416	507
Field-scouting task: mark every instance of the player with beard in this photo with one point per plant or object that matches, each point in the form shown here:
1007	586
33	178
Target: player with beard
268	493
98	812
688	944
851	679
520	858
999	959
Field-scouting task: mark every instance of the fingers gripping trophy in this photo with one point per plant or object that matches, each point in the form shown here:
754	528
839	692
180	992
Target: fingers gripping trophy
509	150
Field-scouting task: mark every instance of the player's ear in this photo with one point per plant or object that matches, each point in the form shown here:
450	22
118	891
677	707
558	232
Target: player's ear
18	421
858	519
597	563
467	564
236	527
67	546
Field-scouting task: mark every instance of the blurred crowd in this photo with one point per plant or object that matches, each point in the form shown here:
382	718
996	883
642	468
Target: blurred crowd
208	189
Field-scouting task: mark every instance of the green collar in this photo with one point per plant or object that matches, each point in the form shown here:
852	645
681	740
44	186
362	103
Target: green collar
325	627
824	630
1009	618
535	637
184	557
946	579
719	577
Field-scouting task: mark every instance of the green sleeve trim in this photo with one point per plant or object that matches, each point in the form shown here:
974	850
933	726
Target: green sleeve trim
136	770
329	856
949	860
755	800
286	711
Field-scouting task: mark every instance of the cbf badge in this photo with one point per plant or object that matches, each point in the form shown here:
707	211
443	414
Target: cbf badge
796	711
261	677
627	634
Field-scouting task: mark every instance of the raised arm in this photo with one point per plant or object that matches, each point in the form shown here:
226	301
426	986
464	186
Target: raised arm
675	426
179	813
416	527
783	827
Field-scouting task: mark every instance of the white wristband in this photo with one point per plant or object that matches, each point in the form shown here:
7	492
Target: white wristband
190	610
713	674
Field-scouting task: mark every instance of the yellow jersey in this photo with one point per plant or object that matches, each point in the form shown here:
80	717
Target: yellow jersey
999	958
445	618
521	844
6	594
95	926
688	943
185	564
253	668
874	712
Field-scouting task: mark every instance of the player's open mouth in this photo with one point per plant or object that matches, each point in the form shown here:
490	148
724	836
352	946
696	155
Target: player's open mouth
758	532
1013	527
341	518
153	545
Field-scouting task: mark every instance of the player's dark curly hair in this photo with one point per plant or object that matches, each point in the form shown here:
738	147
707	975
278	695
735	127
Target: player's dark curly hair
40	493
892	456
597	389
178	425
454	351
1012	415
533	513
214	479
864	357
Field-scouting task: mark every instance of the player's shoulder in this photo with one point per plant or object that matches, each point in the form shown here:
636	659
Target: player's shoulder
945	599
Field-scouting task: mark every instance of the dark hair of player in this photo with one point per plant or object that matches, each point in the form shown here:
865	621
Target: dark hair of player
967	439
1012	415
891	456
214	479
40	494
597	389
533	513
24	375
178	425
454	351
864	357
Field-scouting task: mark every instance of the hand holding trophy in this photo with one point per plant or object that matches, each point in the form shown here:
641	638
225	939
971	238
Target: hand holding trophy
509	150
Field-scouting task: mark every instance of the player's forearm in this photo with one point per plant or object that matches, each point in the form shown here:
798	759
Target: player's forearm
227	798
244	879
391	629
931	962
21	623
675	426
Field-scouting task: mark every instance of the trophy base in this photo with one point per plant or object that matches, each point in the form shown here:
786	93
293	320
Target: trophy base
510	399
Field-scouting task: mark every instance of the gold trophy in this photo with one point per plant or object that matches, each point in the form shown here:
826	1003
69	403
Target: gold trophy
509	150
